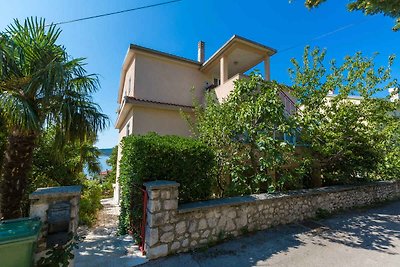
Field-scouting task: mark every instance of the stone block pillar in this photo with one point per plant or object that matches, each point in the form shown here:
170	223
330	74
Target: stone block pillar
58	209
162	206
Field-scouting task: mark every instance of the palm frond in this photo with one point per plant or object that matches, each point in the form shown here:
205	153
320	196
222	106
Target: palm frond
18	112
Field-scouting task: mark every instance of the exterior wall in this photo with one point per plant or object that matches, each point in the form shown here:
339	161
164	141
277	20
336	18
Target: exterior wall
224	90
161	121
354	99
129	120
167	81
171	228
393	97
143	120
130	76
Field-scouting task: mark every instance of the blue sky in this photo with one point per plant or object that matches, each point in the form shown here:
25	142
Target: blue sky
176	29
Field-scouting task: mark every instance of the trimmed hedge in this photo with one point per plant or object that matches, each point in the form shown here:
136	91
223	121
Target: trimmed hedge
153	157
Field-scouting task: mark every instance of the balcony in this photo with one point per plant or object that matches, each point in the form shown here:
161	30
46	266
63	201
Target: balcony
222	91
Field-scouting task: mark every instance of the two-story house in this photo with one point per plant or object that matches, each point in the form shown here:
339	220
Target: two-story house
155	87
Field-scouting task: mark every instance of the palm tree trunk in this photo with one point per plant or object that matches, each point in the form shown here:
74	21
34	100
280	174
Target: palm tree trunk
16	167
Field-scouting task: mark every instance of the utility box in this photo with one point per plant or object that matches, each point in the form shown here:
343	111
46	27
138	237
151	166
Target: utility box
17	241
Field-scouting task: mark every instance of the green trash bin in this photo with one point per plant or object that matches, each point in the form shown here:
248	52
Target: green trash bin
17	241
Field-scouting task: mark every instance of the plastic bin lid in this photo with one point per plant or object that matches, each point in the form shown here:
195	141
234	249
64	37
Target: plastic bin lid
14	230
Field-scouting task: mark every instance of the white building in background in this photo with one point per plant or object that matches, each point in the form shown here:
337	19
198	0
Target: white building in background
394	96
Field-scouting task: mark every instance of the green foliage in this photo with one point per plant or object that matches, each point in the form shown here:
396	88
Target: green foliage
109	180
389	8
54	169
90	202
65	167
60	256
152	157
41	87
58	167
389	167
246	133
354	134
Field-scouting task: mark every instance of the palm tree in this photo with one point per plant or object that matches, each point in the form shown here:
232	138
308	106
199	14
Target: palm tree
40	87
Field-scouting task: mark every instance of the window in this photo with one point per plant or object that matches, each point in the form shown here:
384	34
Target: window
128	129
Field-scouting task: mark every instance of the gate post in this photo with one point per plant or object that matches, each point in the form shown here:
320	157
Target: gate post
162	206
58	209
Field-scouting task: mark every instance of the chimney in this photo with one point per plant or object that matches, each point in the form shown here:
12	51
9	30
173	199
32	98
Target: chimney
200	52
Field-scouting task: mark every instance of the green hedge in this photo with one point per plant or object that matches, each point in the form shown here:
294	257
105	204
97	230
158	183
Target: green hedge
152	157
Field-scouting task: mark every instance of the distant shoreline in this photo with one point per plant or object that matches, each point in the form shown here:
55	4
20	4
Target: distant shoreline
106	151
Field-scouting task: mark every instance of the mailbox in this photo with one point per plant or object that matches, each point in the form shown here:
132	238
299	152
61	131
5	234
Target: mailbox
58	220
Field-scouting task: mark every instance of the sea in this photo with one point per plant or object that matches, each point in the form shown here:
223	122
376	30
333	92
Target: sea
105	154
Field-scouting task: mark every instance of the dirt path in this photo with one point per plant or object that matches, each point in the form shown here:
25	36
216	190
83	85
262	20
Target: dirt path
102	247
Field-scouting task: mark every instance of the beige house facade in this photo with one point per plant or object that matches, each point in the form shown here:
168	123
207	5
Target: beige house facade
156	87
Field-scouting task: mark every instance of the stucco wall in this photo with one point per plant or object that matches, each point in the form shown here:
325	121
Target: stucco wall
161	121
130	77
171	228
222	92
167	81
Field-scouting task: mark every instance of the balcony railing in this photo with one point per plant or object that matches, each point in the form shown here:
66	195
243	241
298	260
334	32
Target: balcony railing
222	91
289	104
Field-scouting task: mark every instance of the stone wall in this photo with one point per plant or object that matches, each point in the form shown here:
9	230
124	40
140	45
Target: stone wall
173	228
43	205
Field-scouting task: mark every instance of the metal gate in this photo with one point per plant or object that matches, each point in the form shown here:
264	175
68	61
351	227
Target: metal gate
141	228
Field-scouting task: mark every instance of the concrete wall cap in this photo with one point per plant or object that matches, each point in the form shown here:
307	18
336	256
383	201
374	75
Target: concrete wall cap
160	184
235	201
56	192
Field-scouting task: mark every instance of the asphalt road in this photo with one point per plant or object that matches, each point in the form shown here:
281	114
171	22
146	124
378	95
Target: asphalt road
366	237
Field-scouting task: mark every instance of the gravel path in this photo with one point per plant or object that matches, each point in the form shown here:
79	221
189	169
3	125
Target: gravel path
102	247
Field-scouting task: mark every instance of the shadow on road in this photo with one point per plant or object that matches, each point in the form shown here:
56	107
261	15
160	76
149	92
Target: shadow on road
374	229
377	230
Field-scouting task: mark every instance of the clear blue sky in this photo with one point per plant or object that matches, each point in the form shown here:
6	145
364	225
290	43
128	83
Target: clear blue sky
176	29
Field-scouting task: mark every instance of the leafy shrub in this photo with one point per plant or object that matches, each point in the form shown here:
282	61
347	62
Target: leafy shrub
90	202
354	139
109	180
152	157
60	256
246	133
